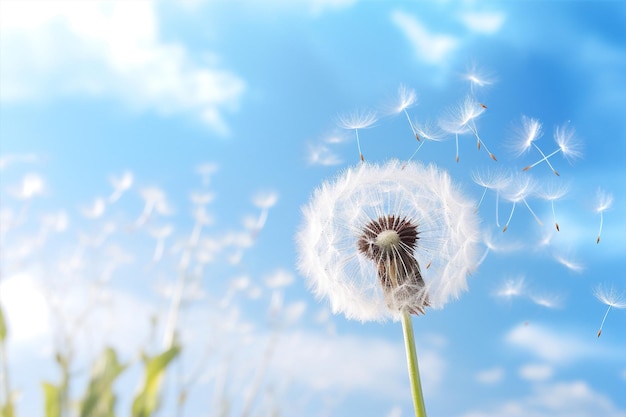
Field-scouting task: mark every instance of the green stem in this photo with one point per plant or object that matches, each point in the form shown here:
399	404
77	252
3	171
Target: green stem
411	357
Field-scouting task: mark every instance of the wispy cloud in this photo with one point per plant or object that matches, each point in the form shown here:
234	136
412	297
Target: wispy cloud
432	48
563	399
483	22
553	345
109	49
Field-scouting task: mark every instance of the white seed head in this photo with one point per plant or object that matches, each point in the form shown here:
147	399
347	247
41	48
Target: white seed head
395	220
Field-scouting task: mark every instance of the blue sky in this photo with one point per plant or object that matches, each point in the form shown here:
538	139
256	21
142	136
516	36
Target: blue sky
215	121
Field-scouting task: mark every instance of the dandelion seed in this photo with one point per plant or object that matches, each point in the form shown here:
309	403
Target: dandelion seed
530	131
428	132
513	287
521	188
477	78
605	200
568	144
496	180
368	234
553	192
355	121
462	120
408	98
611	298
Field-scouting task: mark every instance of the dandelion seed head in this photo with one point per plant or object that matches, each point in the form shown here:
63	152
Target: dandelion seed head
369	234
609	296
568	142
358	119
605	201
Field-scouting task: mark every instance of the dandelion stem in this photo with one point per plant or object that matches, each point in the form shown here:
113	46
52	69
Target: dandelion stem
532	212
603	320
497	211
506	226
556	223
600	231
418	148
482	197
546	158
411	357
411	124
358	144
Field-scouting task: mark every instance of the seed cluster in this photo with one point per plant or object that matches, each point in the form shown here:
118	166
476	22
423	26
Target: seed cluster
390	242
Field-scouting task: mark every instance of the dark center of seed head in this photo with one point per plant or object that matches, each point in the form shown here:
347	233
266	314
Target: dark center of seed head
390	242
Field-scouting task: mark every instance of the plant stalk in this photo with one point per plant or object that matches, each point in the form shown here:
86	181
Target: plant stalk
411	357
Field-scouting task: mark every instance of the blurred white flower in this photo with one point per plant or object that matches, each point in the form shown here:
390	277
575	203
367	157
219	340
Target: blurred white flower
96	209
279	278
120	185
205	171
383	237
31	186
265	200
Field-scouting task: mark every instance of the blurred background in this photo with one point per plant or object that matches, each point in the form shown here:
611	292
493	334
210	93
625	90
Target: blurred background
155	156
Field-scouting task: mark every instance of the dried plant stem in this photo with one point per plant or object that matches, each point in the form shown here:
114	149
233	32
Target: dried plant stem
411	357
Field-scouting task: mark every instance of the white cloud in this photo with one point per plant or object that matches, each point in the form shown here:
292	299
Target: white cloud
343	363
322	155
490	376
108	49
430	47
564	399
552	345
536	372
483	22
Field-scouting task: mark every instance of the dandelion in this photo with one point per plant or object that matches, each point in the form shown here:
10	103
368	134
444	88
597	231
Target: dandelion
553	192
530	131
462	120
496	180
408	98
568	145
477	78
382	242
605	200
426	131
521	188
358	120
611	298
